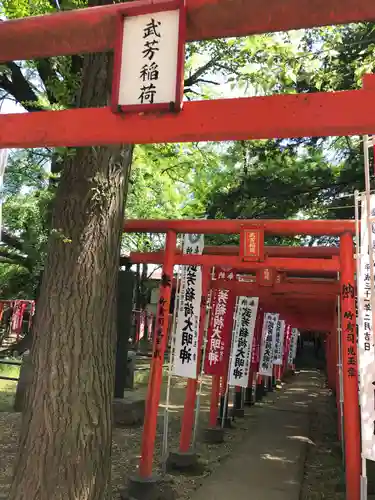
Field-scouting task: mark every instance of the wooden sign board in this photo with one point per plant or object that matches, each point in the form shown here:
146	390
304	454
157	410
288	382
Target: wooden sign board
252	245
266	276
149	58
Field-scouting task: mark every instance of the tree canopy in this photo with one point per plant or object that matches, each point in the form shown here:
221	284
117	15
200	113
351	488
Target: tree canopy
309	177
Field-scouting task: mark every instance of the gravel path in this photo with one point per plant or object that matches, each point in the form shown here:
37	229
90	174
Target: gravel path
323	471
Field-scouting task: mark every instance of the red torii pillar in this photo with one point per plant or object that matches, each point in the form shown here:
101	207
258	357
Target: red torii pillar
352	430
156	371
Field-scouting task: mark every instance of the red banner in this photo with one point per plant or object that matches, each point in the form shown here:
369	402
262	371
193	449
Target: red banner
220	327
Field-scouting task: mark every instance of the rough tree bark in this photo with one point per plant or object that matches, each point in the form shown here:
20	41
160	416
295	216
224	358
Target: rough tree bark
65	442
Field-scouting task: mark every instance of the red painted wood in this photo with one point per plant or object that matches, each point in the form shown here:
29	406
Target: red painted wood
94	29
233	226
273	251
352	427
280	263
324	114
310	288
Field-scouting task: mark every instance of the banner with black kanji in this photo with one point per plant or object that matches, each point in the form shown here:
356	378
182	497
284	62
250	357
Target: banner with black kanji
366	348
293	346
188	315
279	344
268	344
243	334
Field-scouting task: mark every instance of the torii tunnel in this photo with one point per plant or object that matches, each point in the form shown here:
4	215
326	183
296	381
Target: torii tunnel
303	284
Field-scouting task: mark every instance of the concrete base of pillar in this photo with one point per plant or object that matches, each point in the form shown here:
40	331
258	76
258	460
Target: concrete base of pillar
182	461
153	488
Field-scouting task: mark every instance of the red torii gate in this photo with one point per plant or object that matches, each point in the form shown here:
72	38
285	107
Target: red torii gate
320	114
93	30
344	265
304	303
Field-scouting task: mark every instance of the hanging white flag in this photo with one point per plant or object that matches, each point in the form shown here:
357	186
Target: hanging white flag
268	344
188	315
279	343
242	343
4	153
366	350
293	346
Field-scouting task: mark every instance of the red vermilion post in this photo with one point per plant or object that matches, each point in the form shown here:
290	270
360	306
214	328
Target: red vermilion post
350	369
335	356
156	372
192	384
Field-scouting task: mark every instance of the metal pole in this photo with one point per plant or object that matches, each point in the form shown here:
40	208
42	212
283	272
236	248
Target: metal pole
358	268
224	415
341	388
4	153
369	220
170	366
192	384
198	403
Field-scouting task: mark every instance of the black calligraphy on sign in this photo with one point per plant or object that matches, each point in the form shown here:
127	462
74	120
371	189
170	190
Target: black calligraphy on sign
277	354
367	321
349	329
216	347
189	340
268	345
161	314
240	361
150	73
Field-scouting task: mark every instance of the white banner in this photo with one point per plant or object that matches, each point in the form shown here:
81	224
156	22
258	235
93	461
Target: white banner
366	351
268	344
243	335
4	153
188	315
279	344
293	346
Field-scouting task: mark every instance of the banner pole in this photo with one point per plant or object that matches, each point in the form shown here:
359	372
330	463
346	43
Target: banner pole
224	414
170	365
199	395
369	221
4	153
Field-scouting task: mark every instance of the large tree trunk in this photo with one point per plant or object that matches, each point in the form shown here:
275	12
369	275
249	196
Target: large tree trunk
65	443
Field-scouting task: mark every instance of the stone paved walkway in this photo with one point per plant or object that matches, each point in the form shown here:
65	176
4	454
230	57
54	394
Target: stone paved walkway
269	463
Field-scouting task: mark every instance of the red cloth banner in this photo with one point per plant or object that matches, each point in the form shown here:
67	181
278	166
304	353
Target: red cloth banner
219	334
